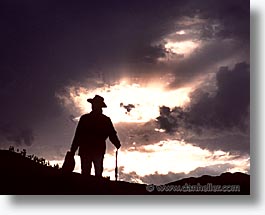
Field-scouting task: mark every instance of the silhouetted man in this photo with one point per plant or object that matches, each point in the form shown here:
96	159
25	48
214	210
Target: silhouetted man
91	133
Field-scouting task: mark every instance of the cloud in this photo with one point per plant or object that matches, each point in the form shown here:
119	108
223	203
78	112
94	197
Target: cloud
130	177
219	34
230	106
233	16
128	107
203	60
232	141
18	136
139	134
226	109
158	179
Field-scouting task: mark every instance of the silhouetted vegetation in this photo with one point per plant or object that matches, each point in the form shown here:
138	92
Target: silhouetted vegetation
32	157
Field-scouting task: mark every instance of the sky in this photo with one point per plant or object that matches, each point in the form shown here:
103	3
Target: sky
175	76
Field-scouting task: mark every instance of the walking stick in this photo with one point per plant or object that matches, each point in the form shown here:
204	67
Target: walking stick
116	168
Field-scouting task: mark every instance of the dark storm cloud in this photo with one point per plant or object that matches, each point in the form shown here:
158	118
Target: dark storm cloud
228	108
225	110
128	107
47	45
223	29
131	177
234	16
224	19
12	135
138	134
233	142
203	60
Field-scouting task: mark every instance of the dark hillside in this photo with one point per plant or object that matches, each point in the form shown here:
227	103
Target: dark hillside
22	175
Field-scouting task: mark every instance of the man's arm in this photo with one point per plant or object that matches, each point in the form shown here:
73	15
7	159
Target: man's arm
76	140
113	136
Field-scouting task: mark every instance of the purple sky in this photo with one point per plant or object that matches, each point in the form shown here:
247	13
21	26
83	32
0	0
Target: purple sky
49	47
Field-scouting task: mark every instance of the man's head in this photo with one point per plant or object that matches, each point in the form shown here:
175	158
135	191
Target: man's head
97	102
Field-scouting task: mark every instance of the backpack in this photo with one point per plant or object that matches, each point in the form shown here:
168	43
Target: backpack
69	163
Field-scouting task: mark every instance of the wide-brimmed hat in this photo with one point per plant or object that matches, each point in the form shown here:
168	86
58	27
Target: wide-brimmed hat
98	100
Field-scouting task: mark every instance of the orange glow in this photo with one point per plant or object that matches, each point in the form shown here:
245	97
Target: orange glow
182	32
184	47
146	100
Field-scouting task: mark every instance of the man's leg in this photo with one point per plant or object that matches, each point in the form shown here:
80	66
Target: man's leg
98	164
86	164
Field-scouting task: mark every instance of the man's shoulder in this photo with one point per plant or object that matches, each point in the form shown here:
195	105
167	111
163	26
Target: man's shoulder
85	116
105	117
89	115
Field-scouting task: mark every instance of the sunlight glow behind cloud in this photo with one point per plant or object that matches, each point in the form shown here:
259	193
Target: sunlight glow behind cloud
167	156
184	47
145	99
174	156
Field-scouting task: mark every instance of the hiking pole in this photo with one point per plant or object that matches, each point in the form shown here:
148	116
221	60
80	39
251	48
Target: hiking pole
116	168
